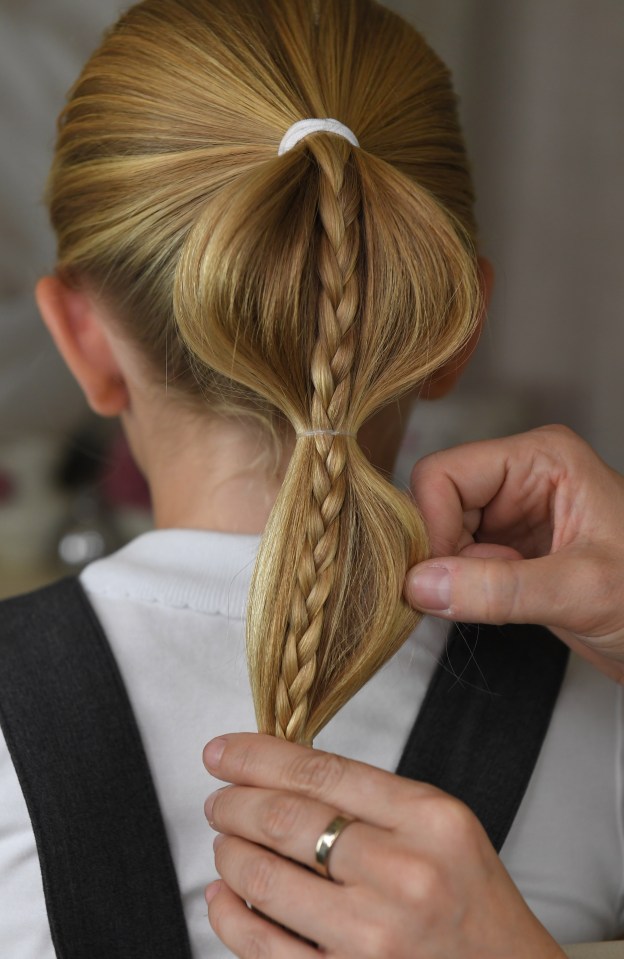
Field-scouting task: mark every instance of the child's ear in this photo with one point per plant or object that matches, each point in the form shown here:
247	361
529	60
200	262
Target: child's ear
80	337
445	379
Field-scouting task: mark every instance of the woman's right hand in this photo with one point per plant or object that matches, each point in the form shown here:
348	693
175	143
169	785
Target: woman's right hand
526	529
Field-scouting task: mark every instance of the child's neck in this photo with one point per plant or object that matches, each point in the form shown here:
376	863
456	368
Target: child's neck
210	474
207	472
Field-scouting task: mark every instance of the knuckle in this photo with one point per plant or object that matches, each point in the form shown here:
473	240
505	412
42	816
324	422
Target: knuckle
564	446
217	918
244	763
258	879
256	946
494	605
426	471
425	885
558	432
221	919
453	821
426	468
511	593
413	878
557	429
417	472
255	943
280	818
221	853
214	815
500	590
318	773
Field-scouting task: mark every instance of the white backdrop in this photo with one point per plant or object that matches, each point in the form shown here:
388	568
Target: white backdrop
541	83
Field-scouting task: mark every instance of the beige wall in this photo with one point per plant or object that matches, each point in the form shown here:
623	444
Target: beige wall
542	87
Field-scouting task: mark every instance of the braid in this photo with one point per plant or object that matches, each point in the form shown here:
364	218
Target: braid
312	288
332	361
308	290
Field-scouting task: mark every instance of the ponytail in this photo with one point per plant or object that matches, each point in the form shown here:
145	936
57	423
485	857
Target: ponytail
391	293
309	290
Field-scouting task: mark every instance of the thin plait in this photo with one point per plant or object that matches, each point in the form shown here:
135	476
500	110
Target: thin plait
332	363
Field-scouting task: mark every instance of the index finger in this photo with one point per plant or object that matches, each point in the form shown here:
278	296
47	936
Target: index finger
447	484
498	473
361	791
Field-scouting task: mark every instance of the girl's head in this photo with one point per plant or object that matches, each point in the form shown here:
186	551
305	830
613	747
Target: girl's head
305	291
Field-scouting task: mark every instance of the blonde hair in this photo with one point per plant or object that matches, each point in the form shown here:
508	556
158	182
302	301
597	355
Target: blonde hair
315	287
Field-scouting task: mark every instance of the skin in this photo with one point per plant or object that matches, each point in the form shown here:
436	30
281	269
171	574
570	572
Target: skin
415	876
437	880
527	529
204	471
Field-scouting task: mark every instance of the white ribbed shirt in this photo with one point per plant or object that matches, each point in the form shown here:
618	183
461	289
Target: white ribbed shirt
172	604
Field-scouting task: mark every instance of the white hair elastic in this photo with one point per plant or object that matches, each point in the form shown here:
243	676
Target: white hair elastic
325	433
304	128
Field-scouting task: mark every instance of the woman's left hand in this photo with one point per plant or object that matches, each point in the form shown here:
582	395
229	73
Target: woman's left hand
415	876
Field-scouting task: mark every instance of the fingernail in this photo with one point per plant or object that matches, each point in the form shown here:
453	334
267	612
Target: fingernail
212	890
217	841
430	589
213	752
208	805
208	808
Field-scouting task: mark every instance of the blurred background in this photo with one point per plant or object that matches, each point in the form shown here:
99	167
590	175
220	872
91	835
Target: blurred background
540	83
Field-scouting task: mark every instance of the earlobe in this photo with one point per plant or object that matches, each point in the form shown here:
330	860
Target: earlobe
80	336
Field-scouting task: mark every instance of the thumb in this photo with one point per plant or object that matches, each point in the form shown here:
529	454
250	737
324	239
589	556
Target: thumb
497	590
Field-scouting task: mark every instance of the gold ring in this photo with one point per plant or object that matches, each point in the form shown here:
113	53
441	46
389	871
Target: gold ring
327	840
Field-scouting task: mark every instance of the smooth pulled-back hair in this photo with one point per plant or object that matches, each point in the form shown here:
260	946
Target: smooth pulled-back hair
309	289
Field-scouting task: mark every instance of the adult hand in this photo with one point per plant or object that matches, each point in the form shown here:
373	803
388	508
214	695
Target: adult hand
527	529
415	875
